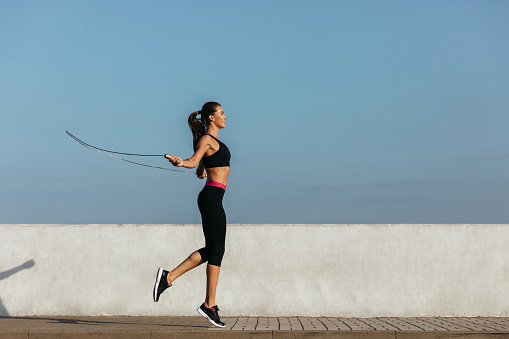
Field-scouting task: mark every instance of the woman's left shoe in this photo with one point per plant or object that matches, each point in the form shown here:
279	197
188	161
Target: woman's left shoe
161	283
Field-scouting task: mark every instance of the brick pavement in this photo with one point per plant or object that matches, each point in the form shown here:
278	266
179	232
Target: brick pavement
113	327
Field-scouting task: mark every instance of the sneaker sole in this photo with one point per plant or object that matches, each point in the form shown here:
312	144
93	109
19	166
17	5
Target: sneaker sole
158	280
208	318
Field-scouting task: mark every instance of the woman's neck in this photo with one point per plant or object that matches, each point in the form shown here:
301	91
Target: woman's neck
213	131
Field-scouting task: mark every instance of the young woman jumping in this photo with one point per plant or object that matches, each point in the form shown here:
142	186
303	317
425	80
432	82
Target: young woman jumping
213	160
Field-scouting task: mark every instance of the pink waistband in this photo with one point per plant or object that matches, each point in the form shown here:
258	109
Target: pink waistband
215	184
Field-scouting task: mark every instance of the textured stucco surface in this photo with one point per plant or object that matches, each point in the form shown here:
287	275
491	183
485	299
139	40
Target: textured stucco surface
268	270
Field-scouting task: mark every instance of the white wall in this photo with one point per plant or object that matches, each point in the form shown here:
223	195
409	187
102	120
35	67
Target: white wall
268	270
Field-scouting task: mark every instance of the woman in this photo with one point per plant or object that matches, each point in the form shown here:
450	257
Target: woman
213	160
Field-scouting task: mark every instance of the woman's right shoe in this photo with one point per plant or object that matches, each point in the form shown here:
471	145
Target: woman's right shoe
211	314
161	283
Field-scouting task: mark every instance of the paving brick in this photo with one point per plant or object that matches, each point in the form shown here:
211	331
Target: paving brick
312	324
13	335
355	324
450	335
333	335
89	335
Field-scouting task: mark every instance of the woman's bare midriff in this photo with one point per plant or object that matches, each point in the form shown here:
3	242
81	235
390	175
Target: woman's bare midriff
218	174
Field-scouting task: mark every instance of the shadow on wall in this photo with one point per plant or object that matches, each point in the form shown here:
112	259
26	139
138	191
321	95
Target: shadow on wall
6	274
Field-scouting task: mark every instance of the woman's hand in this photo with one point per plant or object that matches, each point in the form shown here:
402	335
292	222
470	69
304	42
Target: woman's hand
203	175
175	161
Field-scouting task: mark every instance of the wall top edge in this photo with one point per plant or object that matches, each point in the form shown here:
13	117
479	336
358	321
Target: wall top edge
250	225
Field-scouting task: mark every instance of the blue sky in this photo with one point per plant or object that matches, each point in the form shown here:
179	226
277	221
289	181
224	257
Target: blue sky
337	111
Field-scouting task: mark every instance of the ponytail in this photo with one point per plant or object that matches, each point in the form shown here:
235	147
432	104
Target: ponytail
198	126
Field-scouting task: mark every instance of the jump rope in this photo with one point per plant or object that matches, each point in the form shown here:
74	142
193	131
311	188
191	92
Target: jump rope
105	152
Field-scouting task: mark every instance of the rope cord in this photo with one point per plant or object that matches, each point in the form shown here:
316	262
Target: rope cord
98	150
105	150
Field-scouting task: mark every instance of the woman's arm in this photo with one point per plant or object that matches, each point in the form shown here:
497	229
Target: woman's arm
200	171
192	162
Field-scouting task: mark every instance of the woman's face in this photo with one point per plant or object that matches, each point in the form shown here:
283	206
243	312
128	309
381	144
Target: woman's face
218	117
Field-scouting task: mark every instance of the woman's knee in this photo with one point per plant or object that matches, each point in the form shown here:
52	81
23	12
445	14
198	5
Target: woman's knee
203	253
196	257
216	256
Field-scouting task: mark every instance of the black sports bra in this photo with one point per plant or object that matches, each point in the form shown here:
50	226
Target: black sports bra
221	158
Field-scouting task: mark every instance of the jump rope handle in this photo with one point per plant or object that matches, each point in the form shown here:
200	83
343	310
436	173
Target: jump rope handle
169	157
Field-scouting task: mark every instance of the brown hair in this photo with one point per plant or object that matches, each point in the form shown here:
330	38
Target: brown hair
198	126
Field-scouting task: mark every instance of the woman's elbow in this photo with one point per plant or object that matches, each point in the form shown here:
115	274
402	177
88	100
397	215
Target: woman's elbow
191	163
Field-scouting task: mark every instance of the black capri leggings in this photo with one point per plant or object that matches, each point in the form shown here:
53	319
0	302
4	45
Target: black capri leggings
210	203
